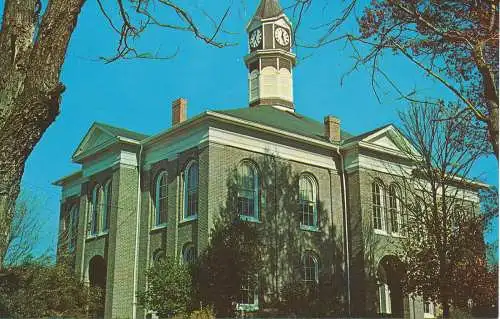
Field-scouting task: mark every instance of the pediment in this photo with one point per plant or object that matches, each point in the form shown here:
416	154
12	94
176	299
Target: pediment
390	139
95	139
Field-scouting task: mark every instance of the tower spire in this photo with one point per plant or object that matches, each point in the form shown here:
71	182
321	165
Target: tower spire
270	61
268	9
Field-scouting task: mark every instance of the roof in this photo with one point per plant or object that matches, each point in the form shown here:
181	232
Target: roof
358	138
118	131
284	120
268	9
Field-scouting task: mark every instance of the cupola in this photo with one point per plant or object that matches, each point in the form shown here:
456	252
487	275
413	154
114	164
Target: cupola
270	60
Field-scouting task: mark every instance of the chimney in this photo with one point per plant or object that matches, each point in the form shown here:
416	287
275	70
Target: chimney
179	111
332	128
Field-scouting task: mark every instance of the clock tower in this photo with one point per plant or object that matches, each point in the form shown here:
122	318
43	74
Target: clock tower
270	60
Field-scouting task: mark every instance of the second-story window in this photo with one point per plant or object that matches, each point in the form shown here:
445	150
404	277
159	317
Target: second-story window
96	208
378	206
72	227
308	197
191	191
106	209
248	191
395	209
161	199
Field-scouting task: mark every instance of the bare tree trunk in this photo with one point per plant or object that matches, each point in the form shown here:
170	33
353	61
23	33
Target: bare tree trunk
30	91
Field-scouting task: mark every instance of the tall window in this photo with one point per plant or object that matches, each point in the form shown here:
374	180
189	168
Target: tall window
106	209
72	227
248	191
158	257
395	209
191	191
161	199
96	210
378	206
248	299
188	254
308	201
310	268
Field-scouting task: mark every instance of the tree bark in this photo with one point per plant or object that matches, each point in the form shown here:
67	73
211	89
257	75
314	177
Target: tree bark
30	92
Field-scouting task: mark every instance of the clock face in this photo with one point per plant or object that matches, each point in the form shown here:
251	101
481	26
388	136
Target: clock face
255	38
281	35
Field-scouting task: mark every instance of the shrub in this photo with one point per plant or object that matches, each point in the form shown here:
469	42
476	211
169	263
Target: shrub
169	289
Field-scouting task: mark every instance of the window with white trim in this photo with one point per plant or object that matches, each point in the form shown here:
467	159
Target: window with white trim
378	206
161	199
95	211
395	209
191	191
106	209
308	197
310	268
248	300
428	308
72	227
248	191
188	254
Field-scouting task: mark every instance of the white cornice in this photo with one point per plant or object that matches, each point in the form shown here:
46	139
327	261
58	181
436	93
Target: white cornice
269	129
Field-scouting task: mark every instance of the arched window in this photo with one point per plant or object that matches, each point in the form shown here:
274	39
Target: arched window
191	191
248	191
378	206
106	209
158	257
308	197
96	210
395	208
72	227
310	268
161	199
188	254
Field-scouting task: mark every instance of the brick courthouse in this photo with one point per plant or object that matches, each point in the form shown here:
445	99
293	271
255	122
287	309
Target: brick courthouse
137	198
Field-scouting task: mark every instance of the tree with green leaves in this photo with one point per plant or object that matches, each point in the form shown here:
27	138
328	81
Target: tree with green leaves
39	288
169	288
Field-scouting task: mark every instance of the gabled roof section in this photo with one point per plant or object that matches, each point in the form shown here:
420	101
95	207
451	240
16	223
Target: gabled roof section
121	132
101	136
268	9
387	138
283	120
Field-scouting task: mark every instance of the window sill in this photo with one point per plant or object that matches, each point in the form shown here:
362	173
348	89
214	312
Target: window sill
189	219
96	236
428	315
314	229
399	235
247	307
158	227
250	219
380	232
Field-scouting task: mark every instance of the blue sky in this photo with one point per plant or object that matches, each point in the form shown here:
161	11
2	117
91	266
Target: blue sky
137	94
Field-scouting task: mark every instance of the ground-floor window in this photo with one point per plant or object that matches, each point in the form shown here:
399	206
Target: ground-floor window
428	309
248	299
384	298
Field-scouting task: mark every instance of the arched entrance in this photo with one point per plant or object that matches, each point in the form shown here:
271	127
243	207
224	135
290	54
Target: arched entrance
390	292
97	279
